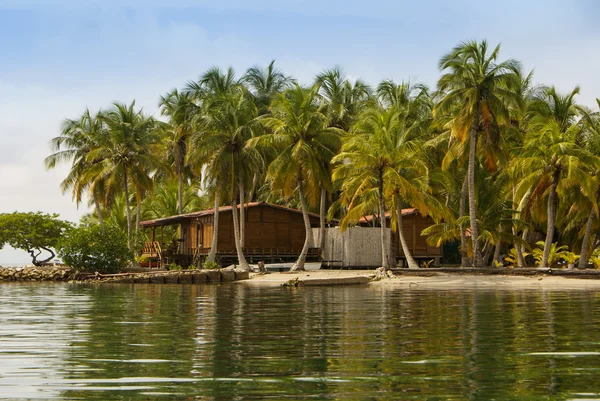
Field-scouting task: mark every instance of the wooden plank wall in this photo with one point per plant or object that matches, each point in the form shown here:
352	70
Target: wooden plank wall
355	247
413	226
266	228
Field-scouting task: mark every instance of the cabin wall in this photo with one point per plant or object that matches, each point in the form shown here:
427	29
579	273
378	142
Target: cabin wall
354	247
267	228
413	226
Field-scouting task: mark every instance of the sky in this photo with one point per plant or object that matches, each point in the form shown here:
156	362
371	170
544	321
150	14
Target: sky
59	57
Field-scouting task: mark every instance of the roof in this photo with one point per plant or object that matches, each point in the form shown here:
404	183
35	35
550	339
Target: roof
164	221
405	212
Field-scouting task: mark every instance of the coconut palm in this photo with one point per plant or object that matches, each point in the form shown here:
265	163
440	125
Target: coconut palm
591	142
299	129
180	108
552	160
124	155
77	139
379	161
479	91
265	84
227	123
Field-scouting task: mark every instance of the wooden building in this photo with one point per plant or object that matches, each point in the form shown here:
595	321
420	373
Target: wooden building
272	232
413	224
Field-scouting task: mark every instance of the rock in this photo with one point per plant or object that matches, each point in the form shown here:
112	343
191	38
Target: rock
157	279
185	278
227	275
214	276
199	277
171	279
242	275
141	280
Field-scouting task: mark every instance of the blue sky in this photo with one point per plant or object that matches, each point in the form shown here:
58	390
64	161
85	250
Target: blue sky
58	57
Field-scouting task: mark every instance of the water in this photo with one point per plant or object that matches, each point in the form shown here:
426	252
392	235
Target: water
241	342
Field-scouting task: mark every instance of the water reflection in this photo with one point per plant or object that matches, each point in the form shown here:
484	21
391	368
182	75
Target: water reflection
234	341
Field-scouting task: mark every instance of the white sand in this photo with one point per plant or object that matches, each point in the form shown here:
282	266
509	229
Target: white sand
442	281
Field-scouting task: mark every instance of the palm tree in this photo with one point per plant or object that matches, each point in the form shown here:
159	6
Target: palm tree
124	155
343	101
265	84
180	109
591	142
299	129
379	161
551	159
479	91
227	123
77	139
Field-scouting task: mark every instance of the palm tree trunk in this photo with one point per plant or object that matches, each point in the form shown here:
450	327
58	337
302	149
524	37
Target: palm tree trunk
551	219
98	210
322	219
520	249
243	264
498	248
385	263
179	156
299	265
127	209
212	255
464	192
477	259
138	215
242	210
180	194
584	258
412	264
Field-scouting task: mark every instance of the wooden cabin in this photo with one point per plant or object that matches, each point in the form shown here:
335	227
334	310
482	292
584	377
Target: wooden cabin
272	233
413	224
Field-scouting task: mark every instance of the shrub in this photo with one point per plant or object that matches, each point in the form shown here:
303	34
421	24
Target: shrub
95	248
211	265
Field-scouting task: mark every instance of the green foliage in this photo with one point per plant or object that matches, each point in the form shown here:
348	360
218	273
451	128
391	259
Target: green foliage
557	253
211	265
173	266
512	259
32	232
95	248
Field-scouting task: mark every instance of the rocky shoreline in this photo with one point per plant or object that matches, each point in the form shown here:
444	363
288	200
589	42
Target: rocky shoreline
58	274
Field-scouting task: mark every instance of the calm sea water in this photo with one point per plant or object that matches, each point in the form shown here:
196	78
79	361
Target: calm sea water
240	342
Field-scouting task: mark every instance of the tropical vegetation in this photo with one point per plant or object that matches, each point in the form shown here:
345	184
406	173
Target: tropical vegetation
498	162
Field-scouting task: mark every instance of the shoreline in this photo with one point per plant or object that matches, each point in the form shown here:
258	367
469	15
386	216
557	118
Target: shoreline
414	279
429	279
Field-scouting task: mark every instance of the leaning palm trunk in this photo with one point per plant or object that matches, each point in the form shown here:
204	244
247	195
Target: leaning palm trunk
498	248
243	264
551	220
299	265
412	264
242	212
127	209
477	259
385	263
585	245
212	255
520	249
464	192
322	220
98	210
138	216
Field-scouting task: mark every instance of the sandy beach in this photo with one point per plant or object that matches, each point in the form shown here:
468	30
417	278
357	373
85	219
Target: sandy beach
439	281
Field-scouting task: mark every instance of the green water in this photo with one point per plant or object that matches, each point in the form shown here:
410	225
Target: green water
240	342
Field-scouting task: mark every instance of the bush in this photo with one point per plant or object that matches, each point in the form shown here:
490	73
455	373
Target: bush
211	265
95	248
